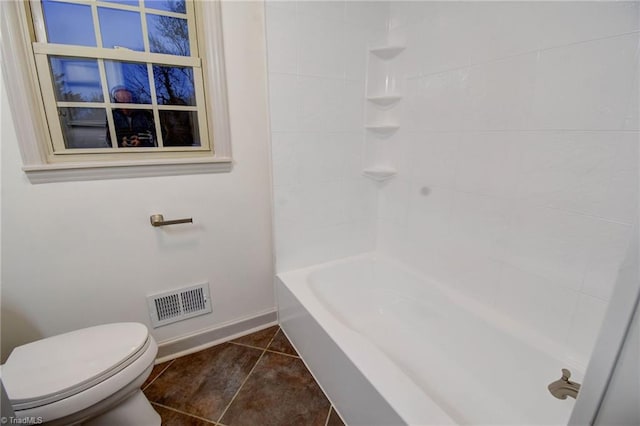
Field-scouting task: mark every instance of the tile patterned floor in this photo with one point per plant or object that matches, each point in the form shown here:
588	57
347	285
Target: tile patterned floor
258	379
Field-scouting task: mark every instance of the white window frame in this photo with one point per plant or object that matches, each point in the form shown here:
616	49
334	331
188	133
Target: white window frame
28	110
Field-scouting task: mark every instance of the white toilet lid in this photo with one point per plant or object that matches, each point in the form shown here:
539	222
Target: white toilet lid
56	367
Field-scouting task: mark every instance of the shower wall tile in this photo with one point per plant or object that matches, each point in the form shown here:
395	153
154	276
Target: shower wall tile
537	302
391	237
433	158
445	41
322	10
517	153
585	326
411	62
321	50
359	198
282	54
412	105
551	243
398	151
304	246
586	172
355	44
314	38
315	104
490	27
632	119
315	101
440	101
291	254
611	241
393	200
498	95
332	153
471	272
410	13
488	163
348	115
585	86
368	14
519	131
428	216
484	31
541	25
348	239
283	99
563	23
286	151
477	221
281	4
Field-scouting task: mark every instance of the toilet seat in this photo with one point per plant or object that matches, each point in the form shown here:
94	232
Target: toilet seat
47	371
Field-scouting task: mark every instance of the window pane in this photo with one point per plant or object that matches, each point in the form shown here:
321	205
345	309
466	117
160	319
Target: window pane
174	85
130	76
76	80
84	127
134	128
177	6
120	28
168	35
179	128
58	16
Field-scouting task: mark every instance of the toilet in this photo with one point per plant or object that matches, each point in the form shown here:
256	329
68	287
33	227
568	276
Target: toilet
90	377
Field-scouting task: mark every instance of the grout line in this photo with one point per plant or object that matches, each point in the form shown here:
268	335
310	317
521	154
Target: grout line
282	353
184	412
518	54
326	422
248	346
338	414
159	374
245	380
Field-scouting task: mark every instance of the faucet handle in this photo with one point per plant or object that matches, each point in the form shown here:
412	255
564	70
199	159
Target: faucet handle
562	387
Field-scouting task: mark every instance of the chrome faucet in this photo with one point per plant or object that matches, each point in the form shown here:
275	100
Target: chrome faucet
562	388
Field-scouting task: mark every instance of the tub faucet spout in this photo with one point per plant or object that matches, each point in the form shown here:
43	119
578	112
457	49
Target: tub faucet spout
563	387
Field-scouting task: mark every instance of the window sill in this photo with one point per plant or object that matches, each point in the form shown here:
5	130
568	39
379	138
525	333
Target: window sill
68	172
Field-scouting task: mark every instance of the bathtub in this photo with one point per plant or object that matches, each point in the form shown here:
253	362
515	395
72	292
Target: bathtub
389	346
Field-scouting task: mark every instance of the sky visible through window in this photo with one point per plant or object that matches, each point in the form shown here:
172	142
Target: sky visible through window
79	79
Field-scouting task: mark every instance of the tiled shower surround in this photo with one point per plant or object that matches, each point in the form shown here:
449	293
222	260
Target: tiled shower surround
516	150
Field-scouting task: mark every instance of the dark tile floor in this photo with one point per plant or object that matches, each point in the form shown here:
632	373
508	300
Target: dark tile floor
258	379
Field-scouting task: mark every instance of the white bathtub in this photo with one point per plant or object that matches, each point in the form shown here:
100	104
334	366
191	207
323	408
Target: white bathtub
390	347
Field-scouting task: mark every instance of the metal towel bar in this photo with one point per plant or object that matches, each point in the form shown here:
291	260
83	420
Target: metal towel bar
158	220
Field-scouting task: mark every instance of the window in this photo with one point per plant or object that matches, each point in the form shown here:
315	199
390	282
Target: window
119	83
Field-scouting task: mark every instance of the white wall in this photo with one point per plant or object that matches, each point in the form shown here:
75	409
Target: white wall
83	253
517	155
317	54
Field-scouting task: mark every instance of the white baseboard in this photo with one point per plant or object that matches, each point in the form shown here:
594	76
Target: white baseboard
203	339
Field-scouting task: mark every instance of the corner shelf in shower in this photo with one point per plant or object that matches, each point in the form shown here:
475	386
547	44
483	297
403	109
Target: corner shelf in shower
387	52
379	174
384	100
